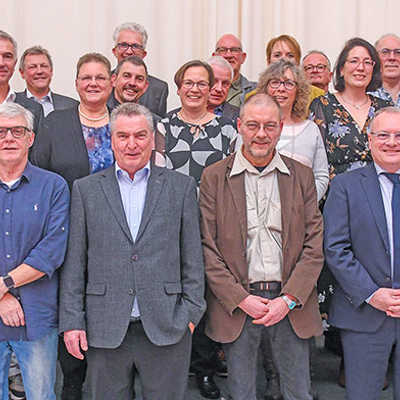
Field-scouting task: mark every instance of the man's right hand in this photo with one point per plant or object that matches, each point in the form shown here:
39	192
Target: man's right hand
11	312
75	341
255	306
386	300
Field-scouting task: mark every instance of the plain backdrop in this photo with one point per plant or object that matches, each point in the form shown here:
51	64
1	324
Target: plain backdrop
180	30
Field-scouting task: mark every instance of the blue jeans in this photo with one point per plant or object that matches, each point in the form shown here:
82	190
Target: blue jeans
37	360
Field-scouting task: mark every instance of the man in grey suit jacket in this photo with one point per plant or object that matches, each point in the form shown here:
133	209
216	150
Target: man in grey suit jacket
36	68
132	285
131	39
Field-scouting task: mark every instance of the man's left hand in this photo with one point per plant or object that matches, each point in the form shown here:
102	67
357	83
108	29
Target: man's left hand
277	310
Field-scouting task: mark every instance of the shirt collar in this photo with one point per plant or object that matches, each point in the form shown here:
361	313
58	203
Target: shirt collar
27	173
236	84
48	96
241	164
11	95
142	173
380	170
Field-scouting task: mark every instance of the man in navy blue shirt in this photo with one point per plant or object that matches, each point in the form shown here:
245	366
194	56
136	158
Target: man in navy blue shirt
34	206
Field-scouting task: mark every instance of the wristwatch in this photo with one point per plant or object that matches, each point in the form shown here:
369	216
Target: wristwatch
8	281
290	303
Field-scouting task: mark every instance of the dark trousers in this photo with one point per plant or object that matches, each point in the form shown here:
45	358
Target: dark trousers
163	370
74	370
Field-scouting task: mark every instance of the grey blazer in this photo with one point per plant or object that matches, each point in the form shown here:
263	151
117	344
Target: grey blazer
105	269
155	97
60	102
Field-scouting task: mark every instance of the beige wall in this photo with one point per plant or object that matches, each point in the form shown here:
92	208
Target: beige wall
180	30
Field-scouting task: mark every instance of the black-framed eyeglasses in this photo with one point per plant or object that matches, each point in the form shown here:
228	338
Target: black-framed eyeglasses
17	132
276	83
383	136
388	52
224	50
201	85
134	46
318	67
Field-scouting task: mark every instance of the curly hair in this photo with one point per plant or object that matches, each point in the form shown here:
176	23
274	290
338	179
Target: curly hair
277	71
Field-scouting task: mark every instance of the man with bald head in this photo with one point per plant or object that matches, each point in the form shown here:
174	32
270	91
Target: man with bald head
230	47
262	255
317	68
388	47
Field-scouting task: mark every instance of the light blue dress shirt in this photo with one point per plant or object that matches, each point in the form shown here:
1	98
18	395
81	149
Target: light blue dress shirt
133	194
46	102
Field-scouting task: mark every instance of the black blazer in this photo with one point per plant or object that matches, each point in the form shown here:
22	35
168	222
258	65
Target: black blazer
33	107
61	147
60	102
155	97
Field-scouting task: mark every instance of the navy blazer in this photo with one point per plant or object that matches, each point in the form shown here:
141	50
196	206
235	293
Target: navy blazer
356	248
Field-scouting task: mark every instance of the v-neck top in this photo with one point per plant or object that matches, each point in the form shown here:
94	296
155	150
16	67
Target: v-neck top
345	142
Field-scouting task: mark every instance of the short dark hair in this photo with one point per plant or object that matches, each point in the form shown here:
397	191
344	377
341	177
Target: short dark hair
93	57
134	60
178	78
376	80
34	50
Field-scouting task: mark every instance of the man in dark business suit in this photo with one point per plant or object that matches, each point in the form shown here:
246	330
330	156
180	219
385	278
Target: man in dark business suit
142	258
362	249
36	68
131	39
8	60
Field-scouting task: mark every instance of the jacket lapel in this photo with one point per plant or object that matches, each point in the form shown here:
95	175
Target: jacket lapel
372	189
77	137
237	187
154	188
111	190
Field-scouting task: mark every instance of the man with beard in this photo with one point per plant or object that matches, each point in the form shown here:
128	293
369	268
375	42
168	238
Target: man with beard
388	47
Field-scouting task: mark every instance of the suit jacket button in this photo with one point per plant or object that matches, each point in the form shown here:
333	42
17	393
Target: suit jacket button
135	257
130	291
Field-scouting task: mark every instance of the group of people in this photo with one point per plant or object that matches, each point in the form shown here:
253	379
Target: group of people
141	242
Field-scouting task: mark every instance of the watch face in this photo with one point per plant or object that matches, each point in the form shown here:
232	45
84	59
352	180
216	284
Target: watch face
8	281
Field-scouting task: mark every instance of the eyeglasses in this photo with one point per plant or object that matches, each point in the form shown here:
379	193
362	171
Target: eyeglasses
134	46
318	67
276	84
99	79
385	136
17	132
254	126
355	62
201	85
385	53
224	50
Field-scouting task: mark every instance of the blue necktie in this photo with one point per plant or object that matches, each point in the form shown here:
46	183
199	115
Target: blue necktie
395	179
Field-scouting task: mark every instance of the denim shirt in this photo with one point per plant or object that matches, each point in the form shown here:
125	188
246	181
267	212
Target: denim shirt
34	218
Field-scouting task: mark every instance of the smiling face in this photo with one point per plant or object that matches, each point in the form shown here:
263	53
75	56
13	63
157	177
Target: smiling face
194	98
317	71
7	61
93	84
37	73
132	142
282	49
390	58
283	96
130	83
259	144
15	151
386	154
357	69
222	83
131	38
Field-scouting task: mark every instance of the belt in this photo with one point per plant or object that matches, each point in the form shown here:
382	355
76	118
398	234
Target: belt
263	285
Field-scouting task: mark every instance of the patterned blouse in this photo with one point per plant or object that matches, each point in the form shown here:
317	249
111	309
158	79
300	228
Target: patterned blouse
346	144
190	148
98	145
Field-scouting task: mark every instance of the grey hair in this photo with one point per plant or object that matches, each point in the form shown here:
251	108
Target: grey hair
220	62
384	110
7	36
260	99
385	36
13	110
131	110
320	53
34	50
131	26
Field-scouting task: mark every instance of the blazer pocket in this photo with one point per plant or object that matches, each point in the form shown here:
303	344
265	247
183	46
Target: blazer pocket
173	287
98	289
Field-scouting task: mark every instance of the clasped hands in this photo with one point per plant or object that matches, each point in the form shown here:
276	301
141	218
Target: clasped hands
264	311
